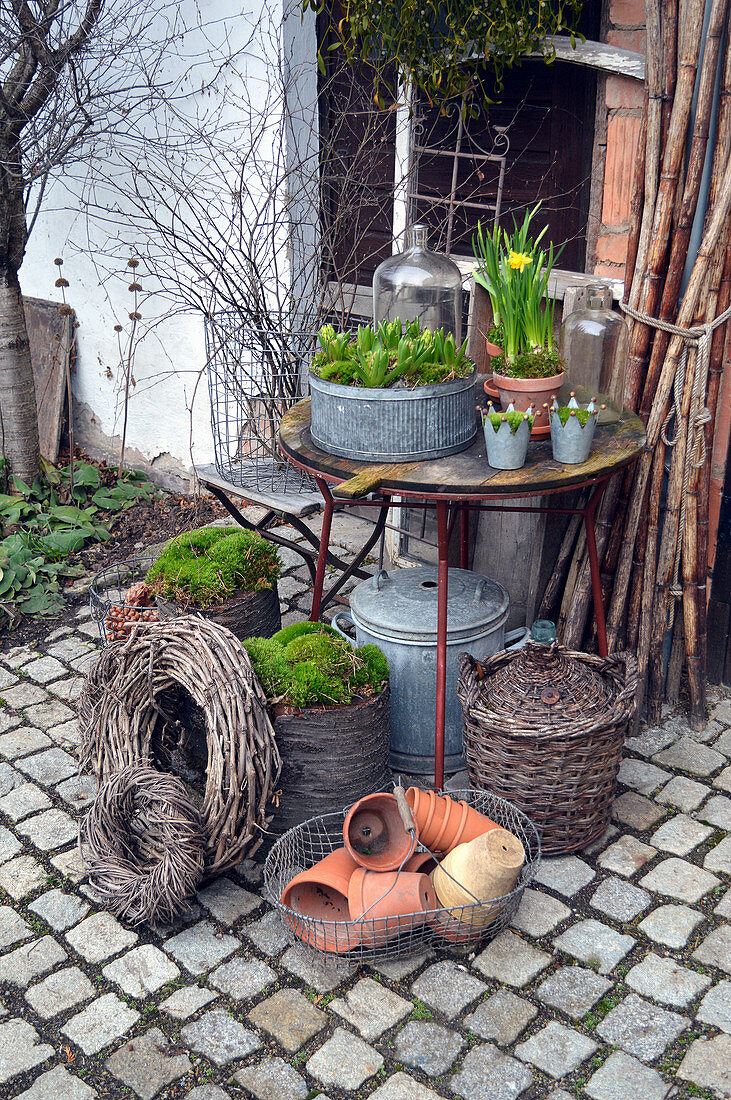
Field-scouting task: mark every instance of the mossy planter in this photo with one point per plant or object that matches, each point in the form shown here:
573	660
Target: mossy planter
246	614
395	424
331	757
572	441
507	450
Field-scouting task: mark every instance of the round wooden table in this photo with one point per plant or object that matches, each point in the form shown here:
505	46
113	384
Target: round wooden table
459	484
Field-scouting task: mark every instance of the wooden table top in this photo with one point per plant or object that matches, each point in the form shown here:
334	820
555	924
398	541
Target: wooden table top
617	442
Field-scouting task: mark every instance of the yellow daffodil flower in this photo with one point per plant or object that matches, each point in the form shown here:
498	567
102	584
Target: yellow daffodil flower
519	260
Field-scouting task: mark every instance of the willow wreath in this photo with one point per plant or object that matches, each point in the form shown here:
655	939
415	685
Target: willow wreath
129	716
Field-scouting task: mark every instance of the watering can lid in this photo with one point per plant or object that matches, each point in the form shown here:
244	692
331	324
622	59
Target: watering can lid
403	602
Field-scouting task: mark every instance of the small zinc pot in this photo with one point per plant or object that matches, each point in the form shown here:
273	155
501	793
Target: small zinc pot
572	441
397	611
507	449
395	424
530	392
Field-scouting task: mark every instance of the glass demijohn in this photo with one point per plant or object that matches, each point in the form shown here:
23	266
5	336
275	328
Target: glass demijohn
419	284
543	630
589	340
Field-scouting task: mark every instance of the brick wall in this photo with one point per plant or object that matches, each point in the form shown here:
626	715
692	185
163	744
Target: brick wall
622	108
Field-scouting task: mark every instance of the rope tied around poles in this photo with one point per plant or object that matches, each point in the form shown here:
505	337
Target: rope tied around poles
696	340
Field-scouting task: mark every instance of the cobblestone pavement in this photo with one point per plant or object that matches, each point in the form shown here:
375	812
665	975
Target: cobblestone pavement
613	983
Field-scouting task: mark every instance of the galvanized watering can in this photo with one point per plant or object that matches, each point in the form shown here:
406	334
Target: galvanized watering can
397	611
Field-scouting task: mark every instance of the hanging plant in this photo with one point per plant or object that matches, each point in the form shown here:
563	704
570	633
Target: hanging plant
441	44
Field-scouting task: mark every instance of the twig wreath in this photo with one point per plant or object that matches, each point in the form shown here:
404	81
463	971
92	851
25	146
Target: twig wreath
143	842
126	719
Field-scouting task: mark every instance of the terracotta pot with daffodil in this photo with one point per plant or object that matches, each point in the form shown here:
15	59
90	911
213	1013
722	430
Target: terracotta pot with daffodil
514	271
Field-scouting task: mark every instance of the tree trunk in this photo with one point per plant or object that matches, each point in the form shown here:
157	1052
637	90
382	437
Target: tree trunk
18	415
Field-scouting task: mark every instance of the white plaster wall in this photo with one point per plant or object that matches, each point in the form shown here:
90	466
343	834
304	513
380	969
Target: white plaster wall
167	430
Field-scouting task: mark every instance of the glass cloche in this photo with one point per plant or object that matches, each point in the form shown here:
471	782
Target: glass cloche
419	284
589	340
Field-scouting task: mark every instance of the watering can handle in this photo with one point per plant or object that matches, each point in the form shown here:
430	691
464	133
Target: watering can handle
346	617
479	590
514	639
404	810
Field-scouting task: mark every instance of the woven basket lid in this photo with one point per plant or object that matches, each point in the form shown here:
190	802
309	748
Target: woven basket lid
545	685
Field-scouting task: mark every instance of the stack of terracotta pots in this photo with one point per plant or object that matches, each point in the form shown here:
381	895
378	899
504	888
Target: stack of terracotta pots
377	885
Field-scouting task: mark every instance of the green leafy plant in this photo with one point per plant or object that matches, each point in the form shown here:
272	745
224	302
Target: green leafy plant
41	529
443	46
514	418
392	353
307	664
421	1011
515	271
206	565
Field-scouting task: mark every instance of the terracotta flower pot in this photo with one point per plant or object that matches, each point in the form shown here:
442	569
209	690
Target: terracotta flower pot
442	823
491	389
485	869
453	930
374	833
420	862
489	385
389	903
535	392
321	893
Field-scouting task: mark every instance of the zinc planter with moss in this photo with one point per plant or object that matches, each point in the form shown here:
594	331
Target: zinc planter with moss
572	431
507	435
229	576
393	394
331	714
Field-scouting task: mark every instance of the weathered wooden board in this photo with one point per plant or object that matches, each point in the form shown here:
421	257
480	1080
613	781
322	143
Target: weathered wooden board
292	504
51	339
616	444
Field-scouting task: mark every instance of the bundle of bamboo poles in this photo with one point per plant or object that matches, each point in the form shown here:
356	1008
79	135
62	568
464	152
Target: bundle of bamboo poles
654	554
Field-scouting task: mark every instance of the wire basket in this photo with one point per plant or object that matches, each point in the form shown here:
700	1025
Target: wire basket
108	590
395	937
254	376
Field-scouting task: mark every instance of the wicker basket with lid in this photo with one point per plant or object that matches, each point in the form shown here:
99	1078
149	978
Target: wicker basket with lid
544	728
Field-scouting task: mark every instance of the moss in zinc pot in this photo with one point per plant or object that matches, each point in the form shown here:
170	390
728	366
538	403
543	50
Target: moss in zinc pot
206	566
315	666
563	414
514	418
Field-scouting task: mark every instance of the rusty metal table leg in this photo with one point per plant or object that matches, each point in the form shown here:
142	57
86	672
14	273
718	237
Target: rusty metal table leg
442	600
596	580
324	544
464	533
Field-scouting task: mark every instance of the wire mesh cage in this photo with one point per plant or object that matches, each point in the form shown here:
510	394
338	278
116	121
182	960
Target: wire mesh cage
113	609
395	937
254	376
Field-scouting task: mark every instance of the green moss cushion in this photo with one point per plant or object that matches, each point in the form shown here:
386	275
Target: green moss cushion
563	414
308	664
205	566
